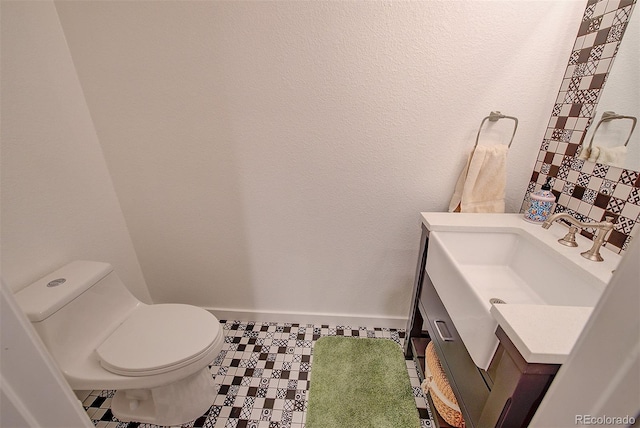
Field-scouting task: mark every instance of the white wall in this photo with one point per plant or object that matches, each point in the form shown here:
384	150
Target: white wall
274	156
58	201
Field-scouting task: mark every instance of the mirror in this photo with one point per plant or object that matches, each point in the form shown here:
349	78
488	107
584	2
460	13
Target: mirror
619	95
589	191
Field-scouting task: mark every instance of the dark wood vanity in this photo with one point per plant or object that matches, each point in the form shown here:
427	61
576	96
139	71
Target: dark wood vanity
507	394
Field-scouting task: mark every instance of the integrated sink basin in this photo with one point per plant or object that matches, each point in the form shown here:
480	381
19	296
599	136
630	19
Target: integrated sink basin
472	270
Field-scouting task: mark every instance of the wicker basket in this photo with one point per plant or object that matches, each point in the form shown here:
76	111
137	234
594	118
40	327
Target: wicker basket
437	385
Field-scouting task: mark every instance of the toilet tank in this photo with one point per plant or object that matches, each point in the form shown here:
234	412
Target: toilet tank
76	307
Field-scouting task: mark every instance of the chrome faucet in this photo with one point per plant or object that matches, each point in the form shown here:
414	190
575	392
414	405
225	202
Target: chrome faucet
604	227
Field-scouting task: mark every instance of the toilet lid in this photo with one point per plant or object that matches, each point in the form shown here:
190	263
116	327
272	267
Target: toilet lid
156	339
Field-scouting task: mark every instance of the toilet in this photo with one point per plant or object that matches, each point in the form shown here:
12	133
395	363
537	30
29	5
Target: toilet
156	357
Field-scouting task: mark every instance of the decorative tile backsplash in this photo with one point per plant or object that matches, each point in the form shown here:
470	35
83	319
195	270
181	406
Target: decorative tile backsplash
589	191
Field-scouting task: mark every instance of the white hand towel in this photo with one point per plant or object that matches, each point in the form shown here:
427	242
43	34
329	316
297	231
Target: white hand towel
614	156
594	153
481	185
584	153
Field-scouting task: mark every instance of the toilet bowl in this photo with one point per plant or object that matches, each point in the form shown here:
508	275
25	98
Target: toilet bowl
156	357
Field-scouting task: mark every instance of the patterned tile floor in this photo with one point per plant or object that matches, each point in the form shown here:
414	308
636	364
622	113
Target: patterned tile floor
263	376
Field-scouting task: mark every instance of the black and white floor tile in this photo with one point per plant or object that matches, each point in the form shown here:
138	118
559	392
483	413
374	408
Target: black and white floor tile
263	377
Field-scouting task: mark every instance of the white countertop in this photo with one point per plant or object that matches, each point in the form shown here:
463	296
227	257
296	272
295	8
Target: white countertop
561	325
541	333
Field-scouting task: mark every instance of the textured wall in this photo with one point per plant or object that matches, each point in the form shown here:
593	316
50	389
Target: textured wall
58	201
274	156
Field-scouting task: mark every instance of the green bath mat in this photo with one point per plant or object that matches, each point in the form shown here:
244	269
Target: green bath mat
360	383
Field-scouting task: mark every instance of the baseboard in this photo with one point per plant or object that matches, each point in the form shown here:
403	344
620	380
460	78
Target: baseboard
399	323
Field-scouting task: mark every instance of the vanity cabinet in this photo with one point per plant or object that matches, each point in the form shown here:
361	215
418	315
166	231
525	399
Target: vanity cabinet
507	394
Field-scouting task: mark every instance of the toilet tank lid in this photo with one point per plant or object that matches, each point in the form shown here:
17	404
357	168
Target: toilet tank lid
46	296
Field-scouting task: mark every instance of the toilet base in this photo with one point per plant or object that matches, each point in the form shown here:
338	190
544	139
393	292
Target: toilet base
174	404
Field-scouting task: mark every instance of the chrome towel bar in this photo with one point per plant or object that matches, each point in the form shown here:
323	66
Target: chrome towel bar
494	116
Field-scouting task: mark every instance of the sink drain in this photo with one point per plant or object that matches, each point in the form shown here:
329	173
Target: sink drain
496	301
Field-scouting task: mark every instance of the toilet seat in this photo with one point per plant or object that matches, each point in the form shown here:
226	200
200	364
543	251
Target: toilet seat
152	340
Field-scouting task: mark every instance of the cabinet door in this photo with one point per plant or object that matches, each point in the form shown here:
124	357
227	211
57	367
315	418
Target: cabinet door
465	378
